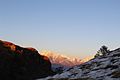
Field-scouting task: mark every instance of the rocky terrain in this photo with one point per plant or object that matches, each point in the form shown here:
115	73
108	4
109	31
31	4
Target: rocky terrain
105	66
18	63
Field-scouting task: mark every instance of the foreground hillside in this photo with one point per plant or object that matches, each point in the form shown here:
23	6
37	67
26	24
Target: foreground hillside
18	63
103	67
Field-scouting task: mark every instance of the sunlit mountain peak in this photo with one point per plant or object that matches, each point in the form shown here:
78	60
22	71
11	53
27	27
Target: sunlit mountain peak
57	58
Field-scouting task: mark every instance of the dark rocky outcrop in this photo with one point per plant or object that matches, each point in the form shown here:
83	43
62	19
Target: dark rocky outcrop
18	63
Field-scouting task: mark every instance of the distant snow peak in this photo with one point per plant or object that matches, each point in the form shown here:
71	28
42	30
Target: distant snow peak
56	58
87	58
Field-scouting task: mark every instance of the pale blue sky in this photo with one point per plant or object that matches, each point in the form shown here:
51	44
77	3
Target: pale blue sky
70	27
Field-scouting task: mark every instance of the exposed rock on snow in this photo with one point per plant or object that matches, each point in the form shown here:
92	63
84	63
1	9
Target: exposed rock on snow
102	67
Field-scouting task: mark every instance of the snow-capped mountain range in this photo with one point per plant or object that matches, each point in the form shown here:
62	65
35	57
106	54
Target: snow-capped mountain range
56	58
102	67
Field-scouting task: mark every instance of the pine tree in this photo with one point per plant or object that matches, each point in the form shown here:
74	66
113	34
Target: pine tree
103	51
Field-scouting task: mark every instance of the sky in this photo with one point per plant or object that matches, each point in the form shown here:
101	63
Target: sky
75	28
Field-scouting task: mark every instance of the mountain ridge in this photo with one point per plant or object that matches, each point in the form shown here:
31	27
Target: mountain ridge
19	63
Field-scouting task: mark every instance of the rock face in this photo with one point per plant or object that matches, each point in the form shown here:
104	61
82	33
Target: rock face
102	67
17	63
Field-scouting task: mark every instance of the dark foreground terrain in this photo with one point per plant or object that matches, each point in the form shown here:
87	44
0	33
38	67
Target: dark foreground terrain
18	63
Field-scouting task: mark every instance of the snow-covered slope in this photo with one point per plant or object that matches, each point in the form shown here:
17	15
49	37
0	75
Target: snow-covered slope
102	67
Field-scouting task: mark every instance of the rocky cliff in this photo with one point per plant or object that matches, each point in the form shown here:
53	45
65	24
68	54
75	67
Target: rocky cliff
18	63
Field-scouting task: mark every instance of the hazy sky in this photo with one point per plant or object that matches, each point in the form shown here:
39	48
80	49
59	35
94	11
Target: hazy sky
71	27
